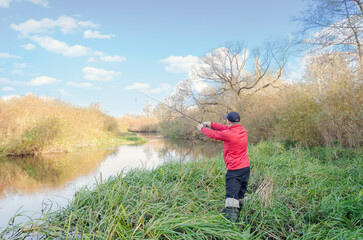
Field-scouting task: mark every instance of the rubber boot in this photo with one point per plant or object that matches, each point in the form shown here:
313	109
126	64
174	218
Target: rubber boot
232	214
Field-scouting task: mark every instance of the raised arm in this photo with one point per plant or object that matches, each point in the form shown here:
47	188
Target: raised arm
218	126
217	135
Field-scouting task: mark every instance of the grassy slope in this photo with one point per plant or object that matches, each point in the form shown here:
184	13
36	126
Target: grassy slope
293	193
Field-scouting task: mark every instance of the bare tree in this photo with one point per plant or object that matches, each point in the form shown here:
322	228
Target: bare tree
148	109
334	25
229	74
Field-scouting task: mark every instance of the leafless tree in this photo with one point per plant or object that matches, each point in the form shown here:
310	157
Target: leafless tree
228	73
148	109
334	25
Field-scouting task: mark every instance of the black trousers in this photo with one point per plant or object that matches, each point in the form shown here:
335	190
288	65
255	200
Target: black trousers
236	182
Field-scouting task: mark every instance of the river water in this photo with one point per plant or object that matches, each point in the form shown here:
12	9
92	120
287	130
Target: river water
31	184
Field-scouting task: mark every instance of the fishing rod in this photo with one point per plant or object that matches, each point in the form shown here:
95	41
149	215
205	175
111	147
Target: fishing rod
171	108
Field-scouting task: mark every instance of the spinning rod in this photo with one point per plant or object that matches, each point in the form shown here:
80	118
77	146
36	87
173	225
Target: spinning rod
171	108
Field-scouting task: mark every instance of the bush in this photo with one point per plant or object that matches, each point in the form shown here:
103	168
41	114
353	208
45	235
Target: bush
35	138
110	125
299	120
337	87
259	115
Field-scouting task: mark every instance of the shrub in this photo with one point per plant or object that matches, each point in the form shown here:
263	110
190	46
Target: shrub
35	138
299	120
110	125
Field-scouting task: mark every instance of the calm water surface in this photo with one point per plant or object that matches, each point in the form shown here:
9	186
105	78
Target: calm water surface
31	184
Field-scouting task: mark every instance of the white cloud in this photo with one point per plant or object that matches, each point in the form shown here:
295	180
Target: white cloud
88	34
7	55
4	80
295	71
19	65
7	89
59	47
199	85
65	24
106	58
88	24
17	72
185	86
164	87
42	80
92	60
80	85
340	31
99	53
179	64
5	3
28	46
39	2
115	58
145	87
65	93
98	74
138	86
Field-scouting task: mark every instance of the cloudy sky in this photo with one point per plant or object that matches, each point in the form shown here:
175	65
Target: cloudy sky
93	51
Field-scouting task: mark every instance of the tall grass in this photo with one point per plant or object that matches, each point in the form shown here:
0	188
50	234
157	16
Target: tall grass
139	123
31	125
294	193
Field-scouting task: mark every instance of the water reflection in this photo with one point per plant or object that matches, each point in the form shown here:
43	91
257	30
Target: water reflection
27	182
32	173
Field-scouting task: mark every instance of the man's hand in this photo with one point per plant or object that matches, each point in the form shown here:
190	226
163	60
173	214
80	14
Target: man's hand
207	124
200	126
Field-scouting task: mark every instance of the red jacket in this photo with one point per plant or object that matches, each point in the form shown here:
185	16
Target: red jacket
235	144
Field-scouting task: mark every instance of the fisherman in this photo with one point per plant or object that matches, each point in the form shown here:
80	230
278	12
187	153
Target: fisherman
234	137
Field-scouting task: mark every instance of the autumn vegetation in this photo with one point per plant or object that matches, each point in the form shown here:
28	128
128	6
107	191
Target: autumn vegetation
138	123
31	125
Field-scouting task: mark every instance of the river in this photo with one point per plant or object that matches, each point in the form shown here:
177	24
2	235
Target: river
29	185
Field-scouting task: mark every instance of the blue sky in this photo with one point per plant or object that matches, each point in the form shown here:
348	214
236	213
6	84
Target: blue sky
94	51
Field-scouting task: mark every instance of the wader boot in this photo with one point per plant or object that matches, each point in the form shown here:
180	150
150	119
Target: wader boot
232	214
232	209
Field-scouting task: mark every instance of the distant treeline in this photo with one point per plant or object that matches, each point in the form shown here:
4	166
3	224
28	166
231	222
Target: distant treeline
139	123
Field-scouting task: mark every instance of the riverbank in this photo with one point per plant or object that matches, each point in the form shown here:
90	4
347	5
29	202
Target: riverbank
19	148
33	125
293	193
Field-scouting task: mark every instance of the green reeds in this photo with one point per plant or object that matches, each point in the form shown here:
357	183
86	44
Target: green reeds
293	193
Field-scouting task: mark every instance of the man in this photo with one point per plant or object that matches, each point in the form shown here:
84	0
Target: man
235	157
